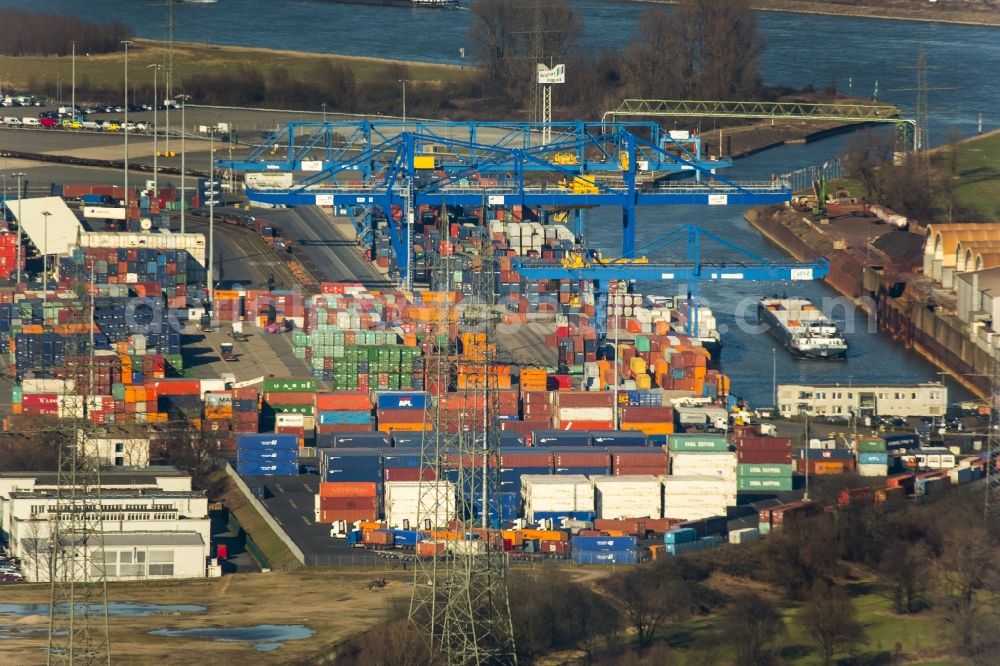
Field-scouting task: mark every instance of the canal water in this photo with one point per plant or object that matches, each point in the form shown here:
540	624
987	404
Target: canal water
857	55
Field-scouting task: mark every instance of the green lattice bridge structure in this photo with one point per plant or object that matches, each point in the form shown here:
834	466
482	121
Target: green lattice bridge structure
838	112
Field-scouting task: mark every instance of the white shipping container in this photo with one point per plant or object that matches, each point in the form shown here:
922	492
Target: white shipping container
873	470
722	464
628	496
585	414
59	386
289	420
694	485
469	547
414	503
543	493
745	535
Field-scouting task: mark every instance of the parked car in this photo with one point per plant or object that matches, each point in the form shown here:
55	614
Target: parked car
13	577
48	122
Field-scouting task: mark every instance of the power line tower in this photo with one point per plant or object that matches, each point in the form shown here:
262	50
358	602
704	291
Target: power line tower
991	503
78	613
460	601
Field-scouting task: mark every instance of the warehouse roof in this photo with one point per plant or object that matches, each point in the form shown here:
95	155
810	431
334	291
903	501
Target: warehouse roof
55	235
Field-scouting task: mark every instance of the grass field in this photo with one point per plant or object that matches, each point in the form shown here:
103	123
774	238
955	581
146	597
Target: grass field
278	554
978	185
107	71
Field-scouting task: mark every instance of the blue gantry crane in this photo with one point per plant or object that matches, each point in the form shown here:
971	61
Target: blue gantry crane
399	167
692	270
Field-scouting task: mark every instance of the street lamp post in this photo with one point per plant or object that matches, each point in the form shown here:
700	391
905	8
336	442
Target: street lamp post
73	88
211	221
183	100
156	133
403	81
19	175
127	44
45	255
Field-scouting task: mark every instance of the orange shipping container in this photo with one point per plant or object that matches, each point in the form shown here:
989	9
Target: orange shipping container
343	401
347	489
650	428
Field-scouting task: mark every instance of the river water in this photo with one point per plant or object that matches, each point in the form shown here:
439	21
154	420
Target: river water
857	54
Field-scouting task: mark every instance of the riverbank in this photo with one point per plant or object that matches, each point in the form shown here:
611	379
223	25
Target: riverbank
880	268
901	10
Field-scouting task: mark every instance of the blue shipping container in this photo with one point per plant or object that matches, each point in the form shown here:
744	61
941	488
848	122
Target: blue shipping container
344	418
605	556
408	537
557	515
267	455
873	458
399	459
361	440
402	400
267	440
683	535
543	438
619	438
604	543
266	469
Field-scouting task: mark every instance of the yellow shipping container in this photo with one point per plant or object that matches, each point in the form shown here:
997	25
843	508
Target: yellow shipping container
424	162
650	428
643	382
406	427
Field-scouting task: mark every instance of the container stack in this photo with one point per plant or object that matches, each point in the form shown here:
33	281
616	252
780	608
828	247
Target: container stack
620	497
605	550
588	460
873	459
583	410
405	465
686	540
554	497
343	465
826	461
402	411
627	461
218	413
697	497
342	411
267	454
246	410
419	504
765	464
517	462
289	407
347	502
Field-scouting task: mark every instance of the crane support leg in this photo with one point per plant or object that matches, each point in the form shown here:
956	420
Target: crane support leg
578	222
628	230
397	236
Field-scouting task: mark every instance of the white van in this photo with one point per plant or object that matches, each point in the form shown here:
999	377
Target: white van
91	125
28	121
12	122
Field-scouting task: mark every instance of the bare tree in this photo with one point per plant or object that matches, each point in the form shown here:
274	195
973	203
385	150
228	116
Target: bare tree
750	625
828	618
868	153
970	590
651	599
905	572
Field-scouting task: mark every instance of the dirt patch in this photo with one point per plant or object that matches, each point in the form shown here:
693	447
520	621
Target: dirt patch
334	604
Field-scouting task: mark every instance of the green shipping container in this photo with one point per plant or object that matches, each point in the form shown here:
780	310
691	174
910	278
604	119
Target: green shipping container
289	385
16	395
697	443
764	528
305	410
769	469
764	483
871	446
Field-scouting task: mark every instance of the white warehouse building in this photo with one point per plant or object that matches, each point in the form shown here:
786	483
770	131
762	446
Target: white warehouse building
930	399
154	525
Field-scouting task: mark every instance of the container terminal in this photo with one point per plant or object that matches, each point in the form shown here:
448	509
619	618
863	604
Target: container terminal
303	335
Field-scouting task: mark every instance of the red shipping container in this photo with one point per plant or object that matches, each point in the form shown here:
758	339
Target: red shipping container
400	416
245	394
760	457
353	503
556	547
330	516
527	458
584	398
348	489
379	537
221	551
176	386
597	458
764	444
635	414
409	474
300	398
343	401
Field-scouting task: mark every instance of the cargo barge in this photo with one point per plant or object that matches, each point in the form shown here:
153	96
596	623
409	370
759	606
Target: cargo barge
423	4
802	328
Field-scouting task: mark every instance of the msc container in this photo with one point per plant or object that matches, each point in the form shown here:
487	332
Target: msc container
605	556
266	441
545	438
697	443
604	543
619	438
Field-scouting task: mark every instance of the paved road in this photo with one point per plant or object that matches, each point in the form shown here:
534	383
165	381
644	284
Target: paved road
329	253
291	501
